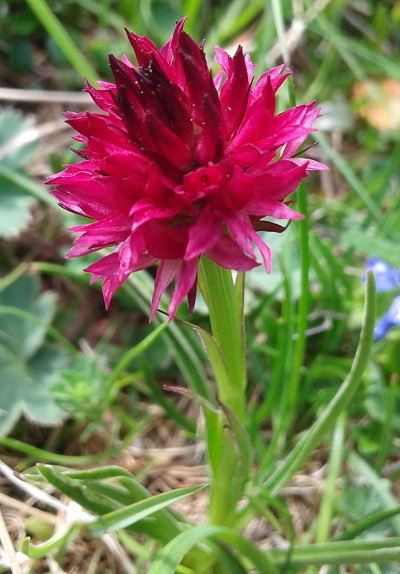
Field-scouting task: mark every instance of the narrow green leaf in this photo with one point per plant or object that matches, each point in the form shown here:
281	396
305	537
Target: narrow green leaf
184	350
169	557
100	498
37	551
103	473
329	493
214	354
18	180
367	523
229	453
76	491
63	459
379	551
136	351
236	17
60	35
329	416
115	17
133	513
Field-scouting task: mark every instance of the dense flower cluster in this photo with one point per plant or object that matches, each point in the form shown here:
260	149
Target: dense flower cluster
386	278
180	165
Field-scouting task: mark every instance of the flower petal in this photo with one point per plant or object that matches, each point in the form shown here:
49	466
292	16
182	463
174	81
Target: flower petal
390	319
166	271
203	234
94	236
184	281
235	89
386	277
109	268
163	242
228	255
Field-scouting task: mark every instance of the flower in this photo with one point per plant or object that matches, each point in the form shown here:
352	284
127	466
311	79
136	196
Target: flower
181	165
390	319
386	278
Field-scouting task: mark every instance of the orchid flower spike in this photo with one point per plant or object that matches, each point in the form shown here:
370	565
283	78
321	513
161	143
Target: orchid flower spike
179	165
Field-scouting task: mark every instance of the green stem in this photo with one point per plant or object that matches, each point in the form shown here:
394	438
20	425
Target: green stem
228	447
224	300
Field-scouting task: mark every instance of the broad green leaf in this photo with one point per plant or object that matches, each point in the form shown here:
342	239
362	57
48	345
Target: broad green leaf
28	366
15	208
382	486
25	387
16	150
25	316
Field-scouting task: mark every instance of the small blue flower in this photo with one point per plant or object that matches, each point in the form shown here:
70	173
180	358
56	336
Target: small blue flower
386	278
390	319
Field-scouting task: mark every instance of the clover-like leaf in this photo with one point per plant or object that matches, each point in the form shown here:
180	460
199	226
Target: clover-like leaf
28	364
16	150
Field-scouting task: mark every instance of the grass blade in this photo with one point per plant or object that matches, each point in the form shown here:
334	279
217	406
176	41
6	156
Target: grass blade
128	515
329	416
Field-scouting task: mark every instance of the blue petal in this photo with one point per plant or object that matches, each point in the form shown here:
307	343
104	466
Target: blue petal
393	312
390	319
385	276
380	329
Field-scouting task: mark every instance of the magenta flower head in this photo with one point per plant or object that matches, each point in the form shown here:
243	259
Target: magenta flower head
180	165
